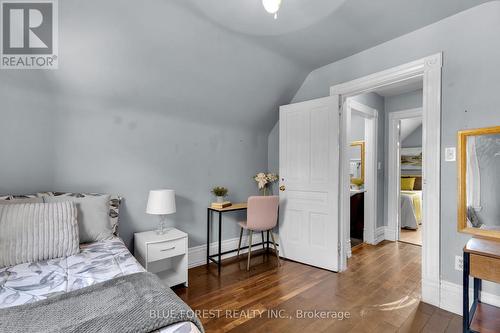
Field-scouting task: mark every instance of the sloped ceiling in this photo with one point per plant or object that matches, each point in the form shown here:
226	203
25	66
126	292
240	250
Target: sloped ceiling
211	60
408	126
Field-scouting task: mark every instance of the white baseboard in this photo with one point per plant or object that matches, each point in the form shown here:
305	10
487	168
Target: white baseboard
198	254
430	292
384	233
451	297
379	234
390	234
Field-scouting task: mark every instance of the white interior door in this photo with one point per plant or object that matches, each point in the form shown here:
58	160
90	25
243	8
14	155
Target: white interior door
309	182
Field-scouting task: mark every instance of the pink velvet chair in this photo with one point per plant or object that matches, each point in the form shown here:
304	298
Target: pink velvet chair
262	215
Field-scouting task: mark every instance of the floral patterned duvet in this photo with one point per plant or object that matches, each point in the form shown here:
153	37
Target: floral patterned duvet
97	262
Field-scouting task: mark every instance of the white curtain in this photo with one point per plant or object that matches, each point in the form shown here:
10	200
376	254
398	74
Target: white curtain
473	176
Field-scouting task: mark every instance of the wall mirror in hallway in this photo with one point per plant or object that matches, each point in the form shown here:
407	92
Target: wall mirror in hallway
479	185
357	163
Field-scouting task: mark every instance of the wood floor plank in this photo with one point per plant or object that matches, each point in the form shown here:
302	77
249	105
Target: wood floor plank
380	292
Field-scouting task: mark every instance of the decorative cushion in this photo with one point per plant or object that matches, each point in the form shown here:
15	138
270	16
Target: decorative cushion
19	199
407	183
93	214
18	196
34	232
114	204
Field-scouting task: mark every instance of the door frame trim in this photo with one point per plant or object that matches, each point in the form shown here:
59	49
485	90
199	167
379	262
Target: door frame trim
429	68
394	170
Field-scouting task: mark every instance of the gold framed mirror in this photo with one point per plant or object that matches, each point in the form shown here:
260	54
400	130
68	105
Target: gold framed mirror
479	182
357	163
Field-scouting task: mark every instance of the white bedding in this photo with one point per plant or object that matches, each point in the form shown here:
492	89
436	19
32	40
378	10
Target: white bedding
408	215
97	262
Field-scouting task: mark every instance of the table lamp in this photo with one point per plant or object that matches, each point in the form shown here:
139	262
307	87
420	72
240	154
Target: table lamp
161	203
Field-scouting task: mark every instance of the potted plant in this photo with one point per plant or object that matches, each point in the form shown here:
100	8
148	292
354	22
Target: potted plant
265	180
220	192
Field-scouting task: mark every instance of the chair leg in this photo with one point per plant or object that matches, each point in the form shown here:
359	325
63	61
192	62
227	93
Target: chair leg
263	245
249	250
239	243
275	248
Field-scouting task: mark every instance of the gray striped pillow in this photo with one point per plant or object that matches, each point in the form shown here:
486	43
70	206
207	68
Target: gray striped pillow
37	231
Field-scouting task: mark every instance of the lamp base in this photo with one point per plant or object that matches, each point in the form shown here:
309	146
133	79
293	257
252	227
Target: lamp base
162	225
163	231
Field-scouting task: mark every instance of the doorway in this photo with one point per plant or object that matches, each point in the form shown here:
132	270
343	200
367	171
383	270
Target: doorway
429	70
404	174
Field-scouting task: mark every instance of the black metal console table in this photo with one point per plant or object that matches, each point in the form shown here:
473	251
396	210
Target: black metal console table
219	254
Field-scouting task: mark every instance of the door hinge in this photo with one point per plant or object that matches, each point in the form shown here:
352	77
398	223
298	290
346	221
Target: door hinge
338	248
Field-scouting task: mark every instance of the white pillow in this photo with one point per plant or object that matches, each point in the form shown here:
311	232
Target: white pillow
34	232
93	216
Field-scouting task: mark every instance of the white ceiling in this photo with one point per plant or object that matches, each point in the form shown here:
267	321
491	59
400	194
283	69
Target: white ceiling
318	32
249	16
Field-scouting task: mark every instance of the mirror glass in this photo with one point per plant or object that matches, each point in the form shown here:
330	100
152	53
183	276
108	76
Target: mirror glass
357	163
482	181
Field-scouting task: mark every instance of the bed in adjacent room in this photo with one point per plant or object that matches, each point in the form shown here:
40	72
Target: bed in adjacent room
411	202
99	271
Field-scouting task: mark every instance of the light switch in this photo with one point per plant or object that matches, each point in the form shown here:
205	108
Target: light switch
450	154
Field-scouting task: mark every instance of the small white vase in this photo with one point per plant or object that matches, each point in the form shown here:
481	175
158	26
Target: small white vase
220	199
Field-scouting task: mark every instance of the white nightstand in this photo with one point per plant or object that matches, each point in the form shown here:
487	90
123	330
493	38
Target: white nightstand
166	255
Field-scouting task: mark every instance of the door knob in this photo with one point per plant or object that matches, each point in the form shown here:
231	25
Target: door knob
282	188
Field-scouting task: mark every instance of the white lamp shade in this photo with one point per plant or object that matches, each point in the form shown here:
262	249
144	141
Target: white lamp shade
161	202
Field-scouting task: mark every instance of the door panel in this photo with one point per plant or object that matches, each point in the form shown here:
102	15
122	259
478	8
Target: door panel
309	172
319	159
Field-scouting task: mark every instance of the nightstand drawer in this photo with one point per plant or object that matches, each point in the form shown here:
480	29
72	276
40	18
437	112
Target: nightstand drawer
168	249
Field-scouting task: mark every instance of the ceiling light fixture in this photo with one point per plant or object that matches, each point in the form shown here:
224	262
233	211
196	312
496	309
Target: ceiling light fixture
272	7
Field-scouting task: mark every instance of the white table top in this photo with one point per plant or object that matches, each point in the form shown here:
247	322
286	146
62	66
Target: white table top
153	237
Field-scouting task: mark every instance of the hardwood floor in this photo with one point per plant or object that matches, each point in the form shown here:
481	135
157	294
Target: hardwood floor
380	291
411	236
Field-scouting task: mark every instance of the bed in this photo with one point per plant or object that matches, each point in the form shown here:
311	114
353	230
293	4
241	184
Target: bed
96	262
411	204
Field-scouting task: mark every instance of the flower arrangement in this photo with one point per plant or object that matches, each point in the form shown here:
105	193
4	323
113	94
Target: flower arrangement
220	192
264	180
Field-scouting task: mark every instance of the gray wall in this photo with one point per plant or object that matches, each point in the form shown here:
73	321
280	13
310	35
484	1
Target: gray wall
469	92
406	101
26	128
146	96
357	128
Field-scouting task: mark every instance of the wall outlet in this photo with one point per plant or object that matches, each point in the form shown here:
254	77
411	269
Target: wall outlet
450	154
459	263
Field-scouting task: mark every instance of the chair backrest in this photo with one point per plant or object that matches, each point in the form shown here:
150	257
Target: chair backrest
262	212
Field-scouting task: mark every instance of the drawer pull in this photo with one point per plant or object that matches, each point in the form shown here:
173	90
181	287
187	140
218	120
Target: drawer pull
167	249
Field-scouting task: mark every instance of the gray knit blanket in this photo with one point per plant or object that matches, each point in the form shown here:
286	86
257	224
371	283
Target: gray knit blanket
131	303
